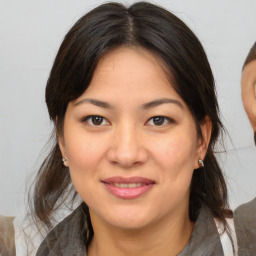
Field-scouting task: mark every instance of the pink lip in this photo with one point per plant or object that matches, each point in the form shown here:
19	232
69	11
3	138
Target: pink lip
118	179
128	193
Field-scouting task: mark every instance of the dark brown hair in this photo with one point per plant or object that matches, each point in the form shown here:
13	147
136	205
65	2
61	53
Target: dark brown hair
251	55
160	32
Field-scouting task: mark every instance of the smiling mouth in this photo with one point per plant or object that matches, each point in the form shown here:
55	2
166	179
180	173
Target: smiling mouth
128	185
128	188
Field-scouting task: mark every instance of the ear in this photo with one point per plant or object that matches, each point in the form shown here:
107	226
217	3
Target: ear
62	150
203	141
61	143
60	139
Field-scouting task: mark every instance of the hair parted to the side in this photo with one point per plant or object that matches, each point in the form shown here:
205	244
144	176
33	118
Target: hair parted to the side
251	55
160	32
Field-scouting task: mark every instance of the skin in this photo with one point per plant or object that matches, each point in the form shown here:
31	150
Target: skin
248	83
128	143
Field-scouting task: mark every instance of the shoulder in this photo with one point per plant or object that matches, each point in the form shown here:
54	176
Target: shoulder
245	225
67	238
246	212
205	239
7	245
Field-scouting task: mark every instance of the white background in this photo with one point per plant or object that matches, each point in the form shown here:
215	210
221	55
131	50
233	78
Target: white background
30	34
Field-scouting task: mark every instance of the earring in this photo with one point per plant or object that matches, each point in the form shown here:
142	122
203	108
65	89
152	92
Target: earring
64	160
201	163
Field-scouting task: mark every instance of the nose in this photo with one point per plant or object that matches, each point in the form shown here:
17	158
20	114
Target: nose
127	148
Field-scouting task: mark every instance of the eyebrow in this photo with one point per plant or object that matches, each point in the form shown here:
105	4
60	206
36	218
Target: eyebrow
158	102
95	102
148	105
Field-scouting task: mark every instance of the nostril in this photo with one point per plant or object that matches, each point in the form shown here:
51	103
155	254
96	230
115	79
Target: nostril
127	154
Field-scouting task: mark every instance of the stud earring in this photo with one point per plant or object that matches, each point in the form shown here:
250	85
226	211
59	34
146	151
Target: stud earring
64	160
201	163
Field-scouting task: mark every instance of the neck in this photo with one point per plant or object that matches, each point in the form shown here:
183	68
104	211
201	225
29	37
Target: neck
162	238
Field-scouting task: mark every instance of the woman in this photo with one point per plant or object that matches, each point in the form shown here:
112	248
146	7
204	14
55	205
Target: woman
132	97
245	215
248	84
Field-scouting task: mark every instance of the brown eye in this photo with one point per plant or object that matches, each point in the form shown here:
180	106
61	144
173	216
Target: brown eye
95	120
158	120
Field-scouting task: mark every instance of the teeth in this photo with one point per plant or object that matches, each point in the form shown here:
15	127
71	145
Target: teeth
130	185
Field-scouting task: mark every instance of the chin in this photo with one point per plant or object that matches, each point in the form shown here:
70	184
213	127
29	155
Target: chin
130	223
129	219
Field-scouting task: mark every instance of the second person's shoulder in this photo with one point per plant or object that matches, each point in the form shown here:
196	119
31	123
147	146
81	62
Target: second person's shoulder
247	210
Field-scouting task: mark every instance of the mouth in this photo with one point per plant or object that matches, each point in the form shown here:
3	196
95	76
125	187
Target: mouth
127	185
128	188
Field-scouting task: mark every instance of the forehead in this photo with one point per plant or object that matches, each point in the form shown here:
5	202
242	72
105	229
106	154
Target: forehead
249	70
129	69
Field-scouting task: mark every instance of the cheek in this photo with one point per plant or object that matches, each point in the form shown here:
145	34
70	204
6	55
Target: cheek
83	151
84	155
175	156
177	150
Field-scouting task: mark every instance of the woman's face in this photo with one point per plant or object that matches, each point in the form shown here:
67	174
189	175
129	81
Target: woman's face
131	142
248	83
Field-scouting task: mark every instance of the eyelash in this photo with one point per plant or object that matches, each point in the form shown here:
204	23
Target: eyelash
87	120
163	120
166	120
